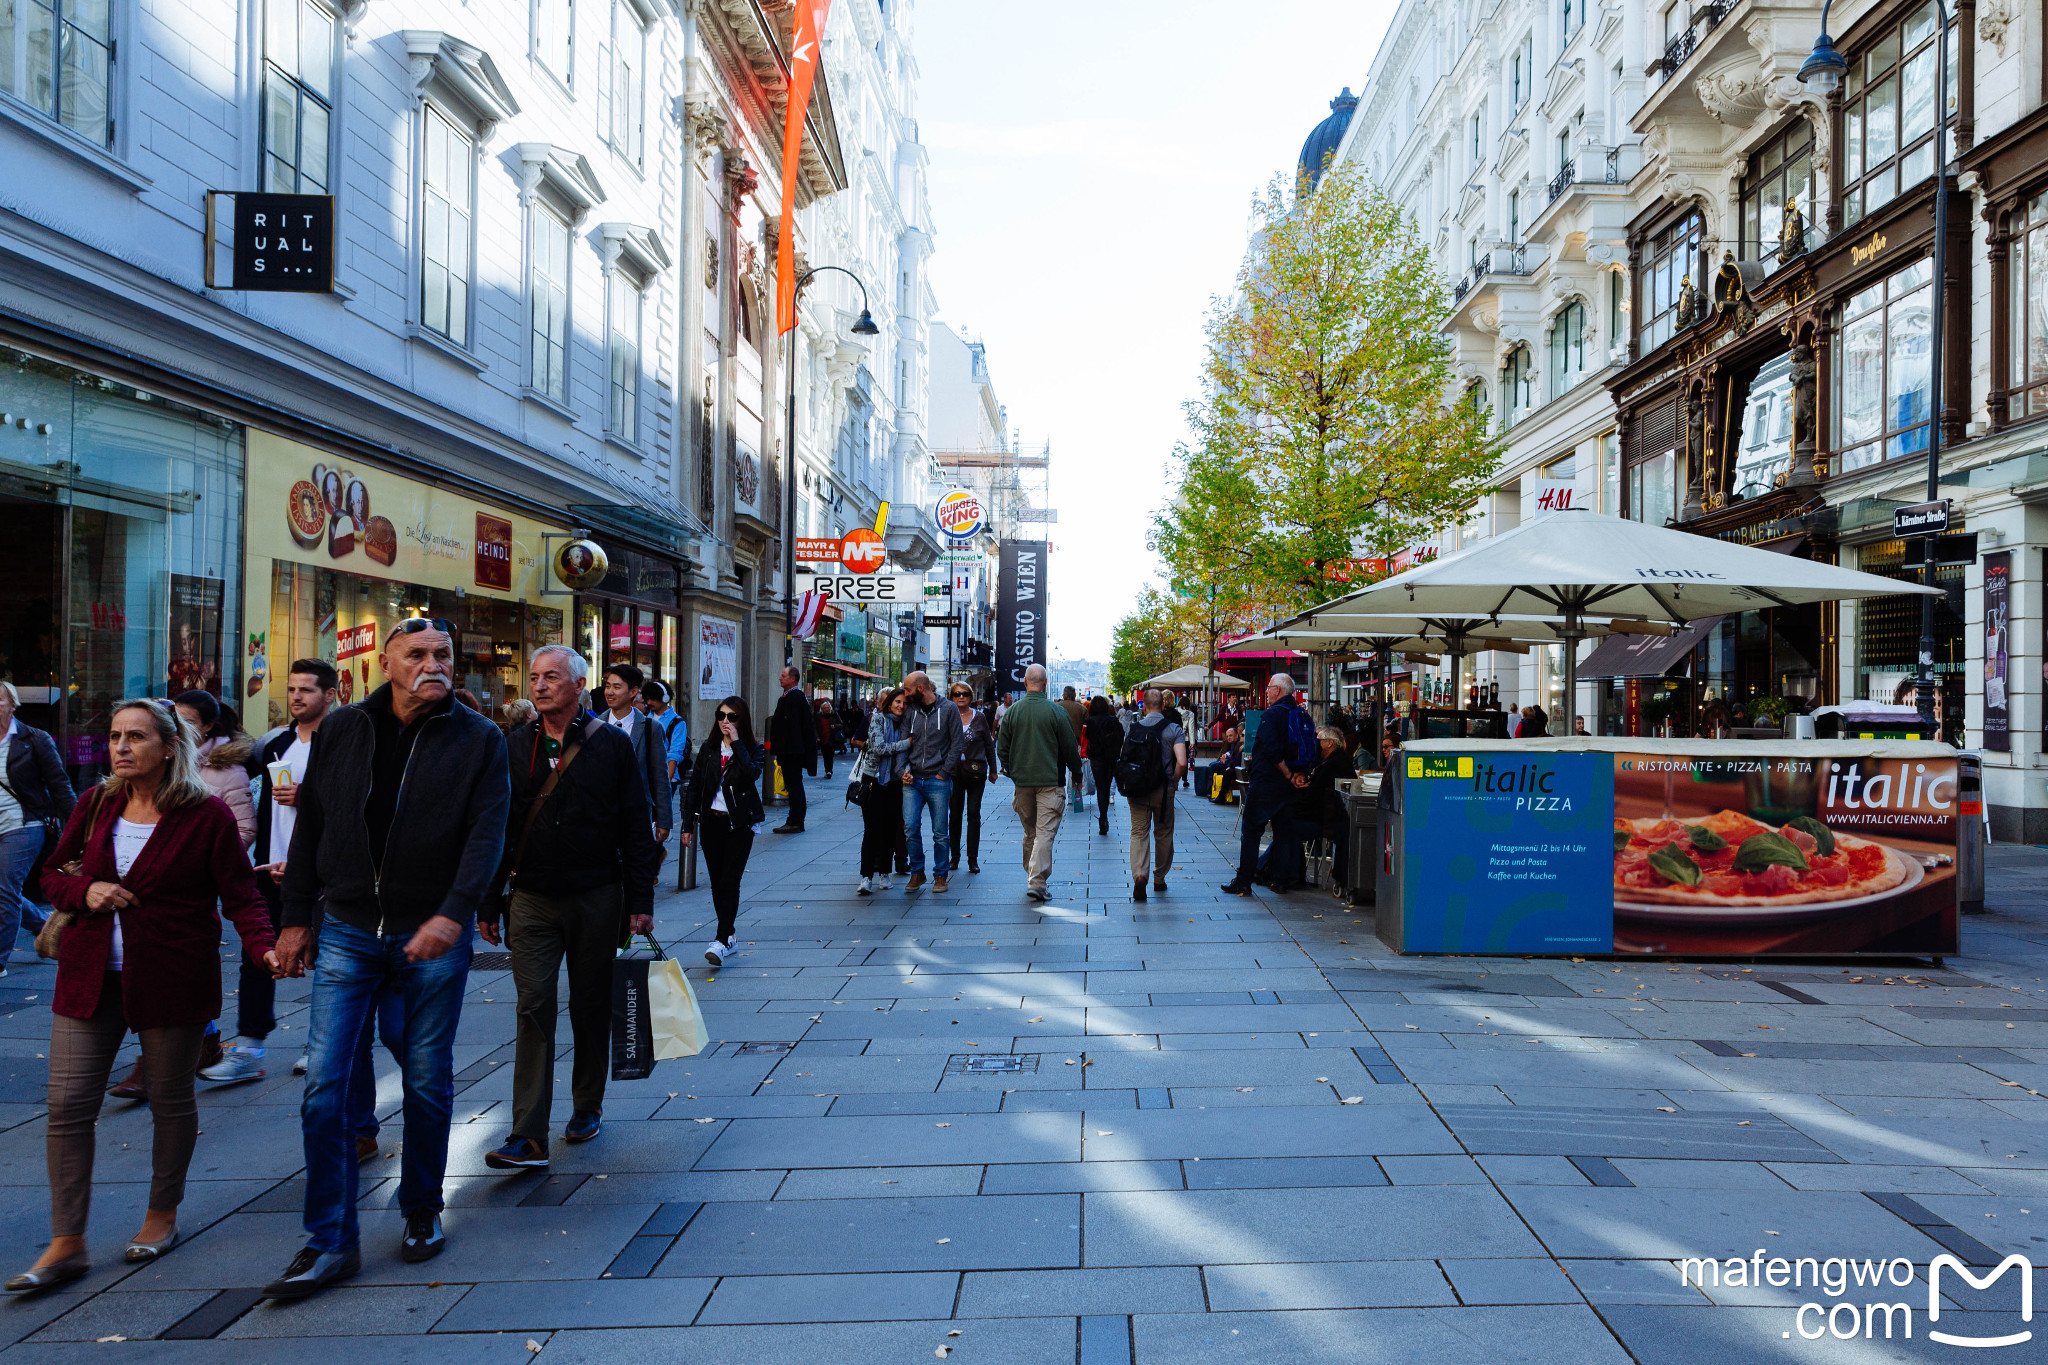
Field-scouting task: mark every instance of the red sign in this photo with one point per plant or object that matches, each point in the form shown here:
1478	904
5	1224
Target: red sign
646	636
818	549
355	641
621	637
493	552
1346	570
862	551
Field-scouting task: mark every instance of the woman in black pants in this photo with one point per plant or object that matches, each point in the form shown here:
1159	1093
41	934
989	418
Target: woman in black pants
881	773
723	808
1105	735
977	762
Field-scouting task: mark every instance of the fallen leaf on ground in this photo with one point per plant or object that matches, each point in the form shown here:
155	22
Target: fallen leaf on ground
1665	1109
943	1240
532	1345
1354	1099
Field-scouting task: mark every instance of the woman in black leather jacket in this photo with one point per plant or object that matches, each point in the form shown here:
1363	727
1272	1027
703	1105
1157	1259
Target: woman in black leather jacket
723	808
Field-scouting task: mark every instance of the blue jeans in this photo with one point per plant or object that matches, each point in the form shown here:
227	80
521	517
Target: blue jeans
362	1088
17	855
353	968
934	794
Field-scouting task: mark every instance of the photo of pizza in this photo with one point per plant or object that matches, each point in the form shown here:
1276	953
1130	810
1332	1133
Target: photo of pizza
1730	860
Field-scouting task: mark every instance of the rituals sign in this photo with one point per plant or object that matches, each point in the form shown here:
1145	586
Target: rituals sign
283	243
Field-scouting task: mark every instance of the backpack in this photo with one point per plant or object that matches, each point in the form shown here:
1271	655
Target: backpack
1301	737
1140	767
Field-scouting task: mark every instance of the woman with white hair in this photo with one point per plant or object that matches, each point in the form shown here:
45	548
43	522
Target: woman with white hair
138	871
35	800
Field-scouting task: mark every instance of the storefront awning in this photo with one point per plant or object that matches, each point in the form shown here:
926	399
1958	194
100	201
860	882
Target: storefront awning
1646	656
843	668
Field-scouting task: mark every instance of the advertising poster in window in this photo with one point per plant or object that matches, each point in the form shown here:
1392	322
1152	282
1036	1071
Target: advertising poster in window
718	658
1998	651
1786	853
195	634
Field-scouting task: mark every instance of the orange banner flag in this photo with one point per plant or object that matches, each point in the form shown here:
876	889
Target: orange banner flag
804	55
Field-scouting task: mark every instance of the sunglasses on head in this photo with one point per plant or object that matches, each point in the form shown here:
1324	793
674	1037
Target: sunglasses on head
414	625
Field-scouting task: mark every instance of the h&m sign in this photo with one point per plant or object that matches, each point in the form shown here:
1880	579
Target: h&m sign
282	243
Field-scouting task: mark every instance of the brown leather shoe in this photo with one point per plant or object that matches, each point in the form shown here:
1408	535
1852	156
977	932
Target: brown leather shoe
366	1146
916	881
939	885
132	1088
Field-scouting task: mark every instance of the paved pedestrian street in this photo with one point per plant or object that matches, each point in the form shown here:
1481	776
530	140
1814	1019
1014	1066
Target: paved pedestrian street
1201	1129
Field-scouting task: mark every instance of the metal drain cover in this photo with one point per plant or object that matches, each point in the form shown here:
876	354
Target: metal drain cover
764	1049
992	1063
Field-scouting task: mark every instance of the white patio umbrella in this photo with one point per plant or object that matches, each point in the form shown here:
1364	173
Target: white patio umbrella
1576	566
1194	675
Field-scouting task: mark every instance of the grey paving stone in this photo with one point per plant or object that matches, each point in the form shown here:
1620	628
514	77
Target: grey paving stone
675	1187
831	1298
819	1236
1597	1224
968	1139
1225	1042
1630	1281
950	1102
481	1349
1715	1175
898	1182
1354	1130
1225	1067
355	1311
1267	1173
892	1343
1252	1096
1441	1336
1326	1284
1529	1131
1875	1139
1039	1293
137	1317
1074	1101
1432	1170
1409	1222
1522	1280
1532	1170
1082	1177
1674	1335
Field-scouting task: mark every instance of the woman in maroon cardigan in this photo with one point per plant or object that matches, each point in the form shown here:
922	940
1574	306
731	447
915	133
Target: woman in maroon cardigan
156	852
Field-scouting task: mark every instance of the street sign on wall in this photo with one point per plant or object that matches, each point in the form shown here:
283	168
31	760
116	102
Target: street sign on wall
1020	613
902	588
818	549
1921	519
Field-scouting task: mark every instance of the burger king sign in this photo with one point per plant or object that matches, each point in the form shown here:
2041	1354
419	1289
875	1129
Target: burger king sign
959	515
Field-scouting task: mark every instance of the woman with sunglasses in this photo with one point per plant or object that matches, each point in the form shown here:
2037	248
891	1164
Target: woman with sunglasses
723	807
971	774
881	778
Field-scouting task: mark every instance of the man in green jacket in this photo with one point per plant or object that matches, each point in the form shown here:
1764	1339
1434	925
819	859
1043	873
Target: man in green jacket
1037	748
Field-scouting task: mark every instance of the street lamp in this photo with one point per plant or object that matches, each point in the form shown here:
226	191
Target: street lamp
865	327
1823	70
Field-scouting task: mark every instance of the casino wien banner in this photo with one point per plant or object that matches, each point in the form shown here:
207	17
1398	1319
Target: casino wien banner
1020	611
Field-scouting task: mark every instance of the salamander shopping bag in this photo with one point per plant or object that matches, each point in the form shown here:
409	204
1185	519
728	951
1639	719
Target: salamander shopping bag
654	1013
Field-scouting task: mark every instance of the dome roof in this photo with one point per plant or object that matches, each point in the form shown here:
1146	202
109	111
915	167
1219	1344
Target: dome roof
1322	143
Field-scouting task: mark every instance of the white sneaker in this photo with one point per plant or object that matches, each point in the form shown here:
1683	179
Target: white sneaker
235	1064
305	1060
714	952
862	887
882	882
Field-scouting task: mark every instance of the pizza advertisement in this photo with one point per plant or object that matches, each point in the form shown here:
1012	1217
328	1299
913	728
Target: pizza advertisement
1777	852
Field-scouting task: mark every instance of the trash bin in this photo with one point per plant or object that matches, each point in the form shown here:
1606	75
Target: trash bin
1970	838
1362	849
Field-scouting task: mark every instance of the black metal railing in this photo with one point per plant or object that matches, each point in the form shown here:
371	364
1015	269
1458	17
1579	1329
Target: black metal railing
1562	181
1705	21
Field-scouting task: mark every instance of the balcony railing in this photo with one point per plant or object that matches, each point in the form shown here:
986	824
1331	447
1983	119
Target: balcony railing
1705	21
1562	181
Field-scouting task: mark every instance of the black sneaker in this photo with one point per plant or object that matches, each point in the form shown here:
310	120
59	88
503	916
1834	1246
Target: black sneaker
312	1271
518	1154
583	1125
1138	889
423	1239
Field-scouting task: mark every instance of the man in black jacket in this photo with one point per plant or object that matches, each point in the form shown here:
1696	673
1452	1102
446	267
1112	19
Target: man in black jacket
793	736
622	684
573	850
401	824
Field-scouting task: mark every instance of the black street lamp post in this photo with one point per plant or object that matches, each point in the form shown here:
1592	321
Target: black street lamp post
865	327
1823	69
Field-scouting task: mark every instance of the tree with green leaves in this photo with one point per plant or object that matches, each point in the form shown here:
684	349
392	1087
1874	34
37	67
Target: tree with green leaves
1327	429
1153	639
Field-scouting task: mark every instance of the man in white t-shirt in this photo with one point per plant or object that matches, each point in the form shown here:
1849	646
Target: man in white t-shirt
309	693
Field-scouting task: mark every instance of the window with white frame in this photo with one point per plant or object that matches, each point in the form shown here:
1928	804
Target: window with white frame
554	37
1572	17
57	57
1517	386
298	95
1514	216
1567	348
1888	113
549	272
1883	369
1478	140
447	208
1518	80
623	319
626	116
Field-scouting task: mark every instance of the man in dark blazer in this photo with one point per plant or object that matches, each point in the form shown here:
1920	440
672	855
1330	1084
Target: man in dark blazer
793	736
622	684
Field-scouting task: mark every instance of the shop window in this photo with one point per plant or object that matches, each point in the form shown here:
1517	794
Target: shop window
1781	173
1765	449
1882	367
298	95
554	37
1567	348
1671	258
1888	114
1517	386
1888	628
2027	310
550	304
447	206
1651	454
623	412
57	57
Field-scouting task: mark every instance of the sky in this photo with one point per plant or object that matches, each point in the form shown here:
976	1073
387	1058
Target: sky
1093	164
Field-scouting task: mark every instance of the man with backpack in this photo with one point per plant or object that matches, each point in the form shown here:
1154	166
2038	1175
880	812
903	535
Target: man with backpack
1155	755
1282	757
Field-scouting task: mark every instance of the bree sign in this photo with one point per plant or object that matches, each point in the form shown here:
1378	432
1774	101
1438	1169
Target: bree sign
1921	519
284	243
882	587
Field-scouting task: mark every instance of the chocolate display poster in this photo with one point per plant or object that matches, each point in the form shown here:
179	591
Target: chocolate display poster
195	634
1998	651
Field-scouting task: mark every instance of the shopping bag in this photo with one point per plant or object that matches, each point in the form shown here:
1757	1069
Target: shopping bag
654	1013
1088	779
1215	786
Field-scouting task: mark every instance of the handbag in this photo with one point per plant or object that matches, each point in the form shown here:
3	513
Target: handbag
50	937
655	1015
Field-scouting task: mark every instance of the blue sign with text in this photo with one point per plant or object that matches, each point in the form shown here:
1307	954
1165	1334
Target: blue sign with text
1518	849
